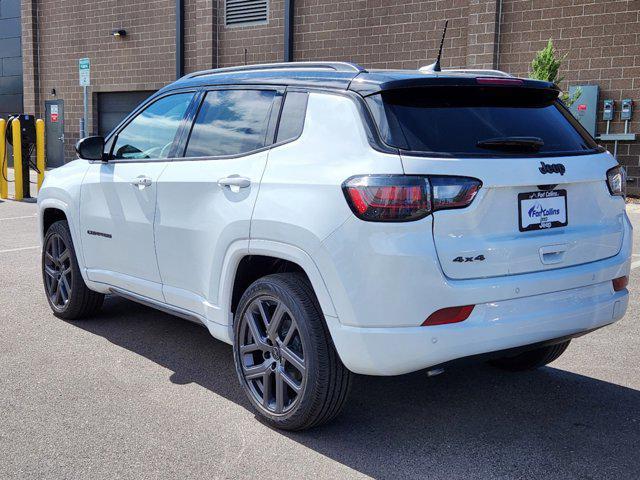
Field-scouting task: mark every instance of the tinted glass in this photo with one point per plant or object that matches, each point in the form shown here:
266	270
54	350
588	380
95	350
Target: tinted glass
455	121
151	133
231	122
292	117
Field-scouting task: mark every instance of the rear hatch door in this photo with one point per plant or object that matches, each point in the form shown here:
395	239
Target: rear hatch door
500	233
544	202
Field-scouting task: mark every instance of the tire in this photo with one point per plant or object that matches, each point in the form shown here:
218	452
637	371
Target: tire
67	294
281	310
531	359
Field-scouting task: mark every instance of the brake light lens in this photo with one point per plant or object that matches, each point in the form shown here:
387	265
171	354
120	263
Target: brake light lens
620	283
499	81
617	181
388	198
403	198
449	315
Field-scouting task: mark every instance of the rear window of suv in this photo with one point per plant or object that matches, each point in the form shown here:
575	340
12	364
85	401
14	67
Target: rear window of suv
478	121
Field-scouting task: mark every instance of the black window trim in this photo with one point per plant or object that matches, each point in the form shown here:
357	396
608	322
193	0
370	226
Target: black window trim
113	136
274	116
304	116
184	131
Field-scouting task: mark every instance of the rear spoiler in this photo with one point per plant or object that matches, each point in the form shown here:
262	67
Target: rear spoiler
361	85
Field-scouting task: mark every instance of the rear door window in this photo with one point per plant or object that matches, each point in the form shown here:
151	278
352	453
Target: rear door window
231	122
478	121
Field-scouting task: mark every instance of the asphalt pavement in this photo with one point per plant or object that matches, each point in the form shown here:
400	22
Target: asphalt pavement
135	393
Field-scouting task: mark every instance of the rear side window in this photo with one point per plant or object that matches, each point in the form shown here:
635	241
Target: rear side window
478	121
292	116
231	122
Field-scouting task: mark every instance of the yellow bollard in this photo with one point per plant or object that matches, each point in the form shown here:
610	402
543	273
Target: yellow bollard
17	158
4	185
40	151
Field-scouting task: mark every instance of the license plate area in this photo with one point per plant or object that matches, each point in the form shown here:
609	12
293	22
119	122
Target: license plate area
542	210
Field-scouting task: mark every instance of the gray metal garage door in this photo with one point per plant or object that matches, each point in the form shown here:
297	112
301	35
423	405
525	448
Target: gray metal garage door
114	106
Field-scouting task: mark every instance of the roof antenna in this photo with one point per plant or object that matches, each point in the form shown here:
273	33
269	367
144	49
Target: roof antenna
435	67
245	56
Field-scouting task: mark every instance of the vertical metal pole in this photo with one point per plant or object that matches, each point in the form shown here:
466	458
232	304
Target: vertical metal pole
179	38
85	114
26	185
17	158
288	30
4	186
40	151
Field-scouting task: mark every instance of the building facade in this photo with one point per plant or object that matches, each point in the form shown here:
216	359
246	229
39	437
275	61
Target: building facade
10	58
163	38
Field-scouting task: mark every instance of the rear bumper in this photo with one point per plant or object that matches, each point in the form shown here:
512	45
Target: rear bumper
491	327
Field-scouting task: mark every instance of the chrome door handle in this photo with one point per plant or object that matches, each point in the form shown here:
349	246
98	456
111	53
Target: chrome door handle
234	182
141	182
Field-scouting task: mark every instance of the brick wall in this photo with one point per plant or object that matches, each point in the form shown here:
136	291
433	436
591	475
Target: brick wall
71	29
381	33
264	43
600	37
200	24
602	42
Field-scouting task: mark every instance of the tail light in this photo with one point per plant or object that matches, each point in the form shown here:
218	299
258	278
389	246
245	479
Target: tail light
617	181
449	315
453	192
403	198
620	283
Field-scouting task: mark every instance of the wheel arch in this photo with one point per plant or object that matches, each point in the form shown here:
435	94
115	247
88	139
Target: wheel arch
49	217
264	257
51	210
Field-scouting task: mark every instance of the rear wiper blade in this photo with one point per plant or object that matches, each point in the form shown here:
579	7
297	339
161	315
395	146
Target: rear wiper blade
511	143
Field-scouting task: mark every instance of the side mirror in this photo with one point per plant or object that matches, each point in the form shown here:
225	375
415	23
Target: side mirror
90	148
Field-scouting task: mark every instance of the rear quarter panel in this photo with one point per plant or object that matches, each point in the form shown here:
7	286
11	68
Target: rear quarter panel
300	201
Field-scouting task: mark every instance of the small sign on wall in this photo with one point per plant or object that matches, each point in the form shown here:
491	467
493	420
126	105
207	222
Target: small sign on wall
54	113
84	72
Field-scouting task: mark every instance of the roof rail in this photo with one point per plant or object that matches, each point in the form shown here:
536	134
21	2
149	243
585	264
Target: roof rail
476	71
336	66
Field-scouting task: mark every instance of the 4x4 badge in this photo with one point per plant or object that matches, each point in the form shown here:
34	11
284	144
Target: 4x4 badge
552	168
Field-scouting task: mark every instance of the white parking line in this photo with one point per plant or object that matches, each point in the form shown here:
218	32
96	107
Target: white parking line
24	248
35	215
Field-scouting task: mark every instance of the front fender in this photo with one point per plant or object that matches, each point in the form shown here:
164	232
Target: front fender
61	191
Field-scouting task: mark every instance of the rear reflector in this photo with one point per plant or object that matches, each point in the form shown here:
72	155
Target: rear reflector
499	81
620	283
449	315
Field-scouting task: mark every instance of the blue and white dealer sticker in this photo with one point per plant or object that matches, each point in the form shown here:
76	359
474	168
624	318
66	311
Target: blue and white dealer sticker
541	210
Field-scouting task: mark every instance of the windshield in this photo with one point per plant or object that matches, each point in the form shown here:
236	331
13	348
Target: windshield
478	121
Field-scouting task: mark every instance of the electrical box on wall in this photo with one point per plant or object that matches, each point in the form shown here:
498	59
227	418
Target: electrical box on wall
607	110
586	106
627	105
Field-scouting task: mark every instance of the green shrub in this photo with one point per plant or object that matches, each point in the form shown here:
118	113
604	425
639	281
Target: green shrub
546	66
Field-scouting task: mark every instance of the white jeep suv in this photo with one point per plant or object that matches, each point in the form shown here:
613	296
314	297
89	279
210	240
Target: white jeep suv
325	219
